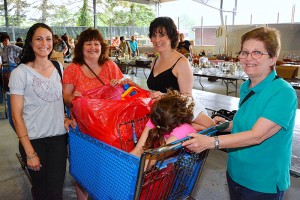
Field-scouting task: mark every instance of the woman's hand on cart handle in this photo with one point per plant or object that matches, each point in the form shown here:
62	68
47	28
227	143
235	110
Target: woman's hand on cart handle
198	142
220	120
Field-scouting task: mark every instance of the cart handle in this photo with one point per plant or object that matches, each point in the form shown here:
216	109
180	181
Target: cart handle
178	143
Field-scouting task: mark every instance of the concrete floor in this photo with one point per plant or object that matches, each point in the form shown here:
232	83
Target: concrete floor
212	186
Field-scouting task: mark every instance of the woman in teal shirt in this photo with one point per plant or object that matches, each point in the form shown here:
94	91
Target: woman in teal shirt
260	146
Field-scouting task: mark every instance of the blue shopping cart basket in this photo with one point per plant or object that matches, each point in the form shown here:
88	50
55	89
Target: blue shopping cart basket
105	172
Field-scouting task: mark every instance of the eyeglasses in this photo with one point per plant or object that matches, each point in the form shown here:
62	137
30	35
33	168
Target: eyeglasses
254	54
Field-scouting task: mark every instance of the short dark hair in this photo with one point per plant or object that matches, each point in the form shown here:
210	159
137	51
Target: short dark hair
90	34
27	54
158	24
19	40
5	36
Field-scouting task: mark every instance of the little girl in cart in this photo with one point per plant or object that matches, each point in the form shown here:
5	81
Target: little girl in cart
170	119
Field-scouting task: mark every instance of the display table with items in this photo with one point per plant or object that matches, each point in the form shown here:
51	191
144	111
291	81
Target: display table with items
228	72
133	64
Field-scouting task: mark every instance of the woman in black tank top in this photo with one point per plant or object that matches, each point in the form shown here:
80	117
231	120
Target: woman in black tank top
171	70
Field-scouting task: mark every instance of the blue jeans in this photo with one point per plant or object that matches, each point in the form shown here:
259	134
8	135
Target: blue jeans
133	53
238	192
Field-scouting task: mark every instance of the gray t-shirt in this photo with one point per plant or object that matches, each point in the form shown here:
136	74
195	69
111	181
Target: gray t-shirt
43	102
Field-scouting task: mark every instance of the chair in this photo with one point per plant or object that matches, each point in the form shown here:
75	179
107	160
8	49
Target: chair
287	72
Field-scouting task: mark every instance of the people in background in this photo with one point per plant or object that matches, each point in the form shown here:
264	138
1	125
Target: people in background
184	46
124	46
68	54
171	70
260	143
10	52
59	45
19	42
91	68
134	47
38	114
203	59
115	42
170	119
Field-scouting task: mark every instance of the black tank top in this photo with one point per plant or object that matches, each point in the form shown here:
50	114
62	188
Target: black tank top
163	81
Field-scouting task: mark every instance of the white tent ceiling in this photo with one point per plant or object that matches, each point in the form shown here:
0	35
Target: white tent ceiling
205	3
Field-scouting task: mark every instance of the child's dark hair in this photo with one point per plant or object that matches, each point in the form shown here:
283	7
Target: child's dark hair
172	110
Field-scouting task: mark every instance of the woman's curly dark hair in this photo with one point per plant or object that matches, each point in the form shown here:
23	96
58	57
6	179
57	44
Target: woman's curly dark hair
90	34
160	23
27	54
171	111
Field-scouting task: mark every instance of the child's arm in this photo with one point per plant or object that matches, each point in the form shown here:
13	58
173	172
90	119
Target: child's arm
138	150
202	122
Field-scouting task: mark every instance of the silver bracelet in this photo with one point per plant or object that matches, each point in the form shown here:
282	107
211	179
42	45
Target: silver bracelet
217	142
31	156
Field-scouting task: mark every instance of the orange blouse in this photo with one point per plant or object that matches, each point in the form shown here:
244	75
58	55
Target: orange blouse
74	74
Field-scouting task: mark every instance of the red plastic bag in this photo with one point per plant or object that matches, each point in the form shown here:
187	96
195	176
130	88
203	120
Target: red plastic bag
102	114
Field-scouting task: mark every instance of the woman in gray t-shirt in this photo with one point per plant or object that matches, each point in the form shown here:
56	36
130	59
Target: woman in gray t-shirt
38	114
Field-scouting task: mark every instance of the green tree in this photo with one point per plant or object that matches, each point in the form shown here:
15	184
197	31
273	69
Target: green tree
63	17
45	8
16	12
124	13
85	18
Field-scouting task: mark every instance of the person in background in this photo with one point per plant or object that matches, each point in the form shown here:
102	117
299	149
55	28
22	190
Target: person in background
38	114
124	46
10	52
90	69
260	143
170	119
171	70
115	42
203	59
184	46
19	42
59	45
72	43
68	54
134	47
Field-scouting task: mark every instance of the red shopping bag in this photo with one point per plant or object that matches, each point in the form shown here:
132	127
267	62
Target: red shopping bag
102	114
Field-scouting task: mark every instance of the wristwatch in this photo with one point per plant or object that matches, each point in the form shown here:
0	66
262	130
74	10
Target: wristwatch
217	142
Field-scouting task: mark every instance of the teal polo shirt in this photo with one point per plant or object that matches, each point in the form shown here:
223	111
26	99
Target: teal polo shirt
133	45
265	167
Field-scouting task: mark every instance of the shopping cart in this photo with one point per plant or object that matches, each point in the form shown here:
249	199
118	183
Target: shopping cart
6	69
105	172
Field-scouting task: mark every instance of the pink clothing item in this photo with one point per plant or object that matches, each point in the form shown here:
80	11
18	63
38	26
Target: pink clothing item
179	132
74	74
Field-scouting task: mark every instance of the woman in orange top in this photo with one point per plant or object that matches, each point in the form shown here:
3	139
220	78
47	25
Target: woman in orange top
90	69
91	66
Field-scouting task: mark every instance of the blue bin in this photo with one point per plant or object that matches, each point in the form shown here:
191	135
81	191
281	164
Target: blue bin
103	170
